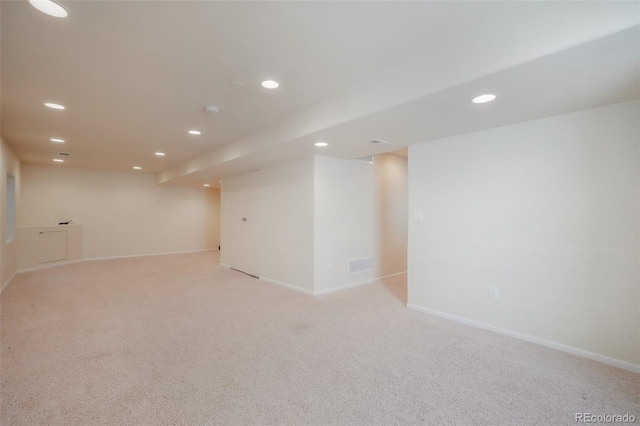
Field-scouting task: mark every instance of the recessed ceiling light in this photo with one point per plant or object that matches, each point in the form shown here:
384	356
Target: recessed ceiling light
195	132
53	106
56	140
206	185
483	99
58	160
270	84
49	7
160	154
321	144
137	168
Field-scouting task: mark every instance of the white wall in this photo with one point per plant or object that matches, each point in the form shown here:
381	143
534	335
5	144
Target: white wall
391	177
360	212
283	235
123	213
9	164
548	212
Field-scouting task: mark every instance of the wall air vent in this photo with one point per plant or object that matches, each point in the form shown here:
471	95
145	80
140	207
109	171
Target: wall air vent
65	154
357	266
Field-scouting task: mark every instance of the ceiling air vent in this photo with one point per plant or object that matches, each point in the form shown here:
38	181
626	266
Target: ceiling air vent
368	159
64	154
379	141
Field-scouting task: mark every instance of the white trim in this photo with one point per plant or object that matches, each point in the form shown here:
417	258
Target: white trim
49	265
289	286
358	284
224	265
531	339
148	254
5	284
68	262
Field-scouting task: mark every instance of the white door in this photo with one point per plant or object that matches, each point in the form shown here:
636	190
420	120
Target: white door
243	218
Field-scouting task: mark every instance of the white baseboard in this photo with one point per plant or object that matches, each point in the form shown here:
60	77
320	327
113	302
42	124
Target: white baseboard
48	265
353	285
5	284
531	339
289	286
147	255
69	262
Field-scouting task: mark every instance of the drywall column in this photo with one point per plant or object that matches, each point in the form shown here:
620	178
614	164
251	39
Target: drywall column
547	213
282	222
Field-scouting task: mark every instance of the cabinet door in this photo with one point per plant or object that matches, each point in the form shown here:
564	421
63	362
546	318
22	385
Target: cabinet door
52	246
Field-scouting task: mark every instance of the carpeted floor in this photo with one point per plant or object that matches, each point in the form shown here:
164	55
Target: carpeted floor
179	340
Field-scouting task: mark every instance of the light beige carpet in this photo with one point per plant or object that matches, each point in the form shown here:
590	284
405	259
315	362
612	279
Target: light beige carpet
179	340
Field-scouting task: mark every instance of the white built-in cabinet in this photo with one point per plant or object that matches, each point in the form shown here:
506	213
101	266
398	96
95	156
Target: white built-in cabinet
46	245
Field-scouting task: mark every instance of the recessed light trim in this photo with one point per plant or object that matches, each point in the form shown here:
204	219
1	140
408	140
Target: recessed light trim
137	168
195	132
206	185
58	160
270	84
321	144
50	8
483	99
53	105
160	154
56	140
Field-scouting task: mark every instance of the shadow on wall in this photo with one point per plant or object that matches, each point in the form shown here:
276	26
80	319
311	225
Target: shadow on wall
392	218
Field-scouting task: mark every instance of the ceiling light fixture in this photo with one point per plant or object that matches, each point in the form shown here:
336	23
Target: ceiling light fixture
58	160
53	106
160	154
206	185
137	168
49	7
195	132
56	140
321	144
270	84
483	99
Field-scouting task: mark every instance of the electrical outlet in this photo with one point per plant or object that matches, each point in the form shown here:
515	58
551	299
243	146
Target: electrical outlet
493	292
418	215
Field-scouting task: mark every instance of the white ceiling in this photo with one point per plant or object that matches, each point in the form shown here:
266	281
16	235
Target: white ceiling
135	76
